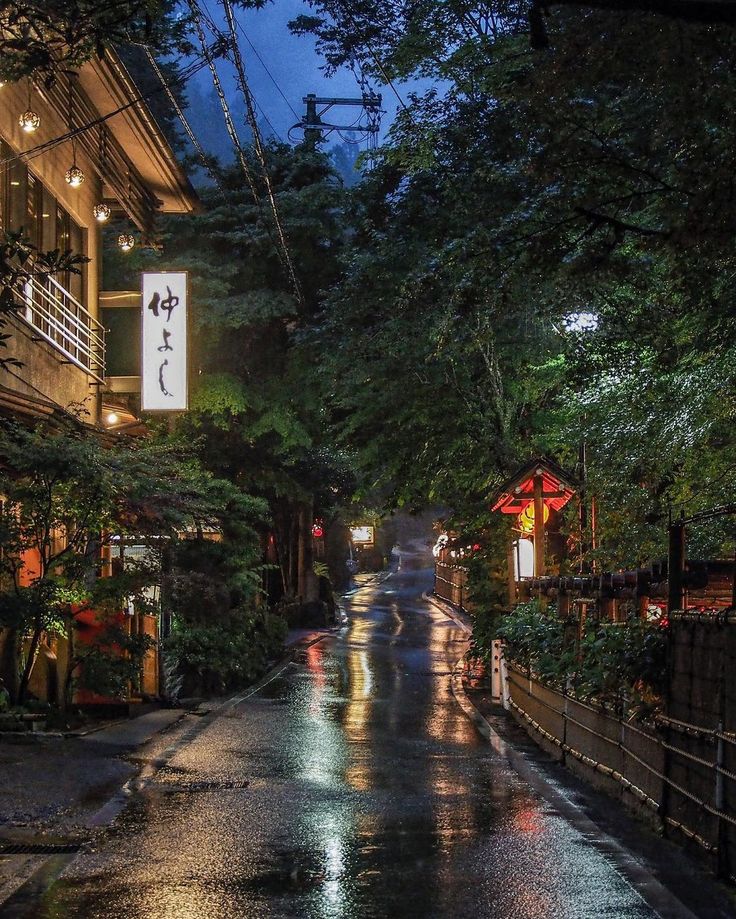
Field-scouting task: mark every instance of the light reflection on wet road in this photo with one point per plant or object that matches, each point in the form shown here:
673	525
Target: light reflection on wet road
369	795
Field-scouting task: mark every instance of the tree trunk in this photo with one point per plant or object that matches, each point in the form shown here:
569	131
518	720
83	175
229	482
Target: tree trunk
308	583
65	696
30	660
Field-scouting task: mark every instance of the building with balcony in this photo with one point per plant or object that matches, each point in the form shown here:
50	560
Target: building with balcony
129	167
58	336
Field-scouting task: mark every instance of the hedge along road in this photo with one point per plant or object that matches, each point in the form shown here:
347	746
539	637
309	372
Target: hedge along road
352	785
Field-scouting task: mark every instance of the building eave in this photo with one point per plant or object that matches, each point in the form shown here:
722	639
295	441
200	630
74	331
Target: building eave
109	85
516	492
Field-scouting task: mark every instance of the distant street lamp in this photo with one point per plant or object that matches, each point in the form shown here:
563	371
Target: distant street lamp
581	322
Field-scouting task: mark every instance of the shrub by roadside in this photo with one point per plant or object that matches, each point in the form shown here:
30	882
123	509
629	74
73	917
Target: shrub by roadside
619	665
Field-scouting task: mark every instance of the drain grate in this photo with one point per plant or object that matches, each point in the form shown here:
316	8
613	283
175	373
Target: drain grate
64	848
204	786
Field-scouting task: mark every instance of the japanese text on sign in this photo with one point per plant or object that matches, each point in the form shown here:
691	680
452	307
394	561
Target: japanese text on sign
164	347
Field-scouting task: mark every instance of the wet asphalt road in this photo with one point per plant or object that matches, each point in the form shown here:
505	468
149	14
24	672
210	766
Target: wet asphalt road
367	793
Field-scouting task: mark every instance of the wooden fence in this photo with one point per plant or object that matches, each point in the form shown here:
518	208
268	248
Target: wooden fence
451	584
681	774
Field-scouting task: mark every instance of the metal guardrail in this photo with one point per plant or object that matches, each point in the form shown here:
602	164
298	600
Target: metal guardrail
62	321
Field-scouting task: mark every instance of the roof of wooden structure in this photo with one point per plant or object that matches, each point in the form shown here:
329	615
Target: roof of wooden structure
517	492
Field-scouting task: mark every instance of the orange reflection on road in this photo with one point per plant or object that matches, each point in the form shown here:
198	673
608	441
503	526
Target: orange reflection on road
359	704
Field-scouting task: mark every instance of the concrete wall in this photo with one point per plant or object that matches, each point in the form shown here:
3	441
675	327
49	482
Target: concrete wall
45	374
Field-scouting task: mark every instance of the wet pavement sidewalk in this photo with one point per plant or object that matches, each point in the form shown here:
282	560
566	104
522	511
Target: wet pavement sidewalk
52	785
47	779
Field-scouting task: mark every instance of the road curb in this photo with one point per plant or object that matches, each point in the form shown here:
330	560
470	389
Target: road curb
47	872
447	610
637	875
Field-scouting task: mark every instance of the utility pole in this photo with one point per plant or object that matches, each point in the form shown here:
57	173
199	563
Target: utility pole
316	129
312	123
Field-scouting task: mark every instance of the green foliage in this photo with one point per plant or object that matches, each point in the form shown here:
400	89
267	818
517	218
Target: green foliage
617	664
214	657
112	662
535	641
44	37
521	189
222	637
487	582
66	495
257	418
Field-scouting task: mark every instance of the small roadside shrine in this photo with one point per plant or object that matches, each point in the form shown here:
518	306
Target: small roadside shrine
534	492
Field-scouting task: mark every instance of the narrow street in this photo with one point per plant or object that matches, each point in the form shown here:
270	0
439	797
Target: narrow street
351	786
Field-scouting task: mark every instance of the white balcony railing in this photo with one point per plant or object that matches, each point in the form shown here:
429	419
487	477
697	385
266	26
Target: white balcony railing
62	321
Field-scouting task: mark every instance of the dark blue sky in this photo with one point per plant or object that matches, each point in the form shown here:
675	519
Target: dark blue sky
294	64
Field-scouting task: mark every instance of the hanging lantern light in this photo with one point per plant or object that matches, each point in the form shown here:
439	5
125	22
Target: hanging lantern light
126	241
526	518
30	121
101	213
74	176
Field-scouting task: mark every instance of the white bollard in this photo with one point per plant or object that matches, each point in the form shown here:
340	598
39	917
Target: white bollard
497	688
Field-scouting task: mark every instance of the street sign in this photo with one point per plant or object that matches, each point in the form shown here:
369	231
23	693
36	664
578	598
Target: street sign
164	342
362	535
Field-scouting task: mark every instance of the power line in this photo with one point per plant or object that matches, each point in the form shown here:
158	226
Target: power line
209	19
263	64
258	145
204	159
229	123
281	244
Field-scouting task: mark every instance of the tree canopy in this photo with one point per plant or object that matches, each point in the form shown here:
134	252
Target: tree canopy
541	256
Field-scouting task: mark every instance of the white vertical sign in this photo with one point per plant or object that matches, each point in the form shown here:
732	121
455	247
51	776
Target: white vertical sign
164	345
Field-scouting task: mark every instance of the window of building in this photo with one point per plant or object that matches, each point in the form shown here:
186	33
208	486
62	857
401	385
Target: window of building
34	206
26	204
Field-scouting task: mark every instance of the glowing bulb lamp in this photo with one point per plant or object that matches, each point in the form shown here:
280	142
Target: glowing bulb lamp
126	242
101	213
74	176
30	121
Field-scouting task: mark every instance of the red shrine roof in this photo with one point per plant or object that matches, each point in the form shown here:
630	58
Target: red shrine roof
518	491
